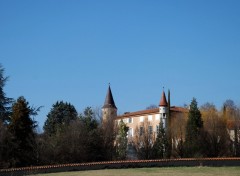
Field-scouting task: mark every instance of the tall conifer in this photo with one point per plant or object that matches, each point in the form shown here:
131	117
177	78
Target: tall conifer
5	102
161	145
22	129
193	131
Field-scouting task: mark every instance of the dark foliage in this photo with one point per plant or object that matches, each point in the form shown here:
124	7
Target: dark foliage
5	102
194	128
59	117
161	145
22	127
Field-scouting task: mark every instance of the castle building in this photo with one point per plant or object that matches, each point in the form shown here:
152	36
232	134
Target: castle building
134	120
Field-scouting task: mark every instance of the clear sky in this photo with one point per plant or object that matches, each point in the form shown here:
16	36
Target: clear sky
71	49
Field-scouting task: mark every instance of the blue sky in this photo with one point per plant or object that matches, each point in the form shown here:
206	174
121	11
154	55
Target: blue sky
70	50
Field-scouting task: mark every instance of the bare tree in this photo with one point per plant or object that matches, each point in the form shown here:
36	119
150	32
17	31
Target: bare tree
152	106
231	115
144	139
217	139
178	126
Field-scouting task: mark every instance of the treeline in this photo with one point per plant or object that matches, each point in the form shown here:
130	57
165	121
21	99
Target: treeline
200	132
67	138
70	137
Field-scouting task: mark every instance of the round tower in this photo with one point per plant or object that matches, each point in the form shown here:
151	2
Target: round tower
109	109
163	109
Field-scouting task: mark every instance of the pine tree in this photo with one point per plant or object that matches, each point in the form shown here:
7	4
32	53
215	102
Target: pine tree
193	131
5	102
22	129
160	148
121	141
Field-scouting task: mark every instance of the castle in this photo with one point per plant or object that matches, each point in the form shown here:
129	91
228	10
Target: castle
163	113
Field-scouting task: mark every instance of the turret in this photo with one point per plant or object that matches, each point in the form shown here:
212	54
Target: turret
109	109
163	109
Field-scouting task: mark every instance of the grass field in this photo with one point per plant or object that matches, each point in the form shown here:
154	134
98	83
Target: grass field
163	171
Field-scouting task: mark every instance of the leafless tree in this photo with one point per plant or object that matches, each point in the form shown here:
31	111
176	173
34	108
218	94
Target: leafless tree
178	126
144	139
217	139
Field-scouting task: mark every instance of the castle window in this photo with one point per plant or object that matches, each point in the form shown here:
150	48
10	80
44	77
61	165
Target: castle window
164	122
150	129
141	119
161	116
157	116
130	132
130	120
150	118
157	128
141	131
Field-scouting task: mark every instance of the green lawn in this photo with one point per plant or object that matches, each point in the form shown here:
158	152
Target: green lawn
163	171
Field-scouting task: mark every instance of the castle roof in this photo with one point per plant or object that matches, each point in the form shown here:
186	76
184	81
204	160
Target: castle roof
163	101
151	111
109	101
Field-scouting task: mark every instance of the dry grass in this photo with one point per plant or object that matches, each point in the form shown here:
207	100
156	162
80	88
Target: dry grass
163	171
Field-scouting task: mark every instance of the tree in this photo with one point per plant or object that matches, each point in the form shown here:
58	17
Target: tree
88	119
94	144
143	140
231	115
193	131
22	128
152	106
160	147
5	102
169	129
68	146
217	139
80	140
122	141
6	144
178	126
59	117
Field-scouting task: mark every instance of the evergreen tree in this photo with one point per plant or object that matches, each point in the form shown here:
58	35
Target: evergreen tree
169	123
160	148
169	103
5	102
93	138
59	117
193	131
88	119
122	141
22	128
6	144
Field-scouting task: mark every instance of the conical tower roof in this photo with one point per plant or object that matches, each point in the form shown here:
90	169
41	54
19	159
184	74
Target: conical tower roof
163	101
109	102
